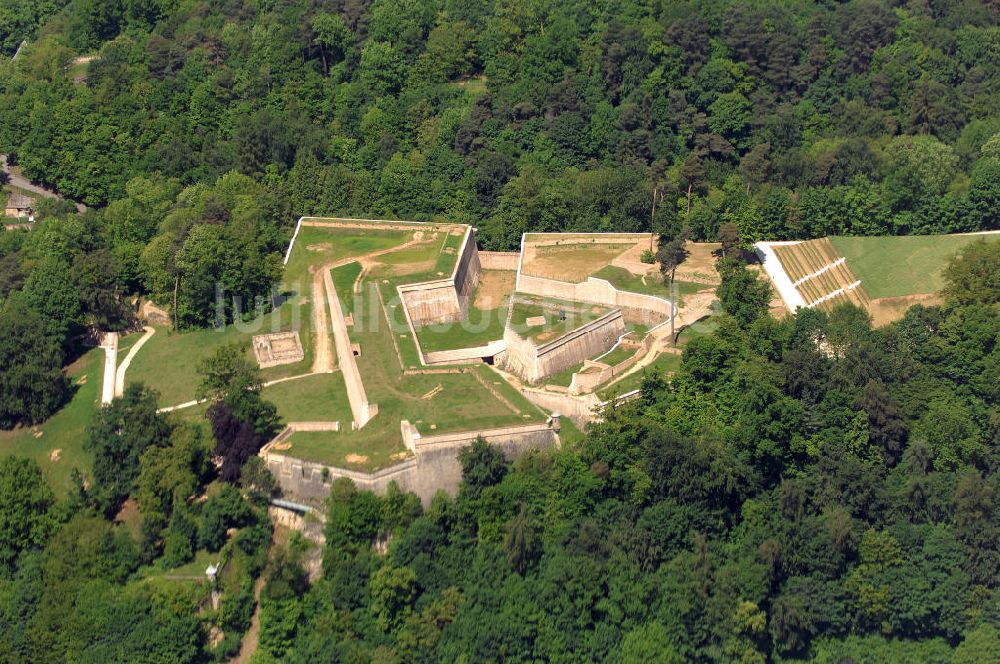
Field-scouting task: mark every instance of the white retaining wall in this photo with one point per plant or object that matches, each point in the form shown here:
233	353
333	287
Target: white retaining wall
782	282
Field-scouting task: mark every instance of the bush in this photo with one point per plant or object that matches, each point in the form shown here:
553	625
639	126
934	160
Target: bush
647	256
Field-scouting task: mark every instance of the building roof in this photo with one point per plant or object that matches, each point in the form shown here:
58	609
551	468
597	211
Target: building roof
20	201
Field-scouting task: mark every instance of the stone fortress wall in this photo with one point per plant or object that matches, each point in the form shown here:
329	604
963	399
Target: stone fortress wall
434	466
536	362
444	300
637	308
499	260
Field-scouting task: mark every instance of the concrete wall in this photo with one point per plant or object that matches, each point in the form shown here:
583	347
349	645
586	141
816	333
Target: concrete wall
637	308
499	260
534	363
433	468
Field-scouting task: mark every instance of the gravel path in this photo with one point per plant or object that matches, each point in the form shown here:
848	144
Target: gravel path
21	182
120	373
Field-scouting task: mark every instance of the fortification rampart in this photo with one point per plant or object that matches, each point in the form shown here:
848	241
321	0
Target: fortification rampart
596	372
536	362
361	410
444	300
578	409
636	307
434	467
499	260
556	239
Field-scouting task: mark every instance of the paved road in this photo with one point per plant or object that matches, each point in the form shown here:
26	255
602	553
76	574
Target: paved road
21	182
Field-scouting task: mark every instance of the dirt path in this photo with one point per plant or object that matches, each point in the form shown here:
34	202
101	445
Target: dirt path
21	182
324	358
248	646
120	373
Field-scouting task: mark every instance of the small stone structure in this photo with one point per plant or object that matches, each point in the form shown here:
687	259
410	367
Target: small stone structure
19	205
534	362
277	348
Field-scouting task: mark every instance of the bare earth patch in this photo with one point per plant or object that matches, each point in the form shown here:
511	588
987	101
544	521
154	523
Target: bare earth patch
399	456
320	246
494	287
82	380
630	260
54	455
572	263
888	309
699	267
356	458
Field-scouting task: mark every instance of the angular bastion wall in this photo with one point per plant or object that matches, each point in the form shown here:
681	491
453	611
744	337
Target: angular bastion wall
445	300
537	362
434	466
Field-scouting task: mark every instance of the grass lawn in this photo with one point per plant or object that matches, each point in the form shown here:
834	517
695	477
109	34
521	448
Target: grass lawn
569	434
168	362
316	245
343	283
624	280
617	356
698	329
481	327
343	449
576	314
666	362
65	430
896	266
320	397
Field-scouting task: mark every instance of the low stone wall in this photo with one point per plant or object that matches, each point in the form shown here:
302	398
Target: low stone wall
534	363
499	260
433	468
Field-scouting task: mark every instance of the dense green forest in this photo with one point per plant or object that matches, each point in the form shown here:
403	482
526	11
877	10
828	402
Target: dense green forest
804	489
809	489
